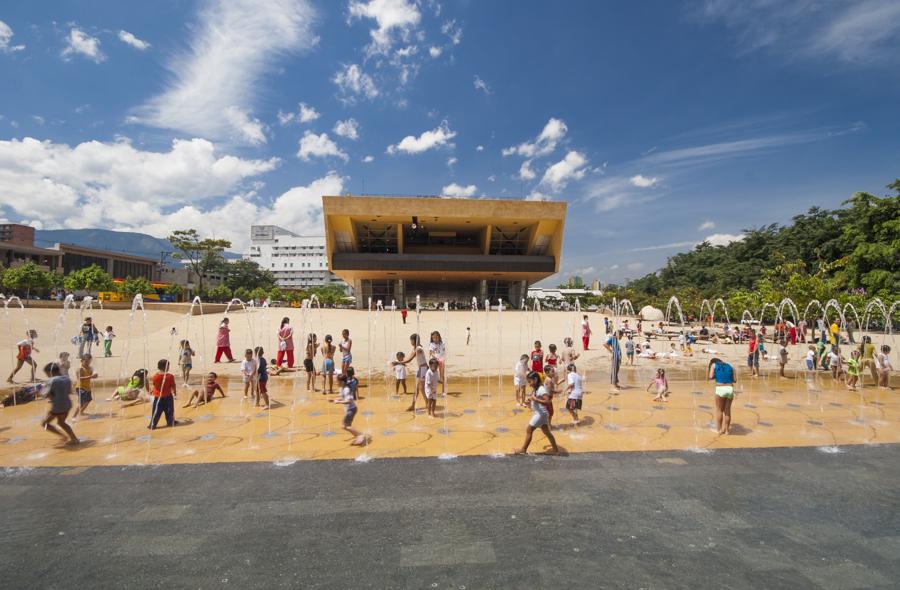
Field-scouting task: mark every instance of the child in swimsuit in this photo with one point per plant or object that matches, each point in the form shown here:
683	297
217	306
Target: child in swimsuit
210	387
662	386
346	345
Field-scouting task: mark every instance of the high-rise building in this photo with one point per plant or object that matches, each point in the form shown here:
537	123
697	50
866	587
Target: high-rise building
298	262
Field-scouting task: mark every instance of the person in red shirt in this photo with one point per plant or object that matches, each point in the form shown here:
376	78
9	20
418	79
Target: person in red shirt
753	354
163	395
537	359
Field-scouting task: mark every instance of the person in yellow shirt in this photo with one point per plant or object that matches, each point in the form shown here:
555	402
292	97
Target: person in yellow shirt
835	334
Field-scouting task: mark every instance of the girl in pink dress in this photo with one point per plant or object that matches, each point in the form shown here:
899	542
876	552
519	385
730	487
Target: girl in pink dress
285	343
223	342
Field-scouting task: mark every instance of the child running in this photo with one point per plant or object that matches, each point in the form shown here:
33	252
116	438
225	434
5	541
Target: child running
210	387
520	372
575	393
23	355
661	384
399	374
539	417
185	360
85	376
58	389
249	367
348	400
108	336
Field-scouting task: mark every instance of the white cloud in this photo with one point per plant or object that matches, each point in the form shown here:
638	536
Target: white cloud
536	195
393	17
348	128
116	185
642	181
319	146
479	148
451	161
235	44
305	114
492	178
435	138
247	128
453	31
368	159
435	52
706	225
544	143
481	85
129	39
456	190
6	35
80	43
634	265
38	119
854	31
525	171
723	239
353	82
566	170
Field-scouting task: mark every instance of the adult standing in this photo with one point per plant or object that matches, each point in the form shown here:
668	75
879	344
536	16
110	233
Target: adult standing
285	343
850	327
612	345
223	342
723	373
87	337
585	332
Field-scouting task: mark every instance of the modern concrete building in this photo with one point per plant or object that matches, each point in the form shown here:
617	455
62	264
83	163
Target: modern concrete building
442	249
298	262
118	265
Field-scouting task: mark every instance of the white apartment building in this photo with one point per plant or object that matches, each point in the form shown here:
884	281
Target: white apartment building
298	262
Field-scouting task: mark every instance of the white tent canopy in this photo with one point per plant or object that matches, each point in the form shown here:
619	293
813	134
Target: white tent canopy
651	314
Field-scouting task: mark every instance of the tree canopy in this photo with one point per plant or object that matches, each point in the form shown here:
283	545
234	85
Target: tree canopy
203	255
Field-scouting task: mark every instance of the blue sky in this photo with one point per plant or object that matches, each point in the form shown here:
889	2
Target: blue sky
660	123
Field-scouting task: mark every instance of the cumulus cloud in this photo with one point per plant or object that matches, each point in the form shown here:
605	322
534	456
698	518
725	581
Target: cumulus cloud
570	168
348	128
80	43
304	114
642	181
130	39
353	83
6	35
246	127
435	52
723	239
319	146
481	85
456	190
235	44
394	19
479	148
451	162
368	159
95	184
554	131
706	225
453	31
525	171
428	140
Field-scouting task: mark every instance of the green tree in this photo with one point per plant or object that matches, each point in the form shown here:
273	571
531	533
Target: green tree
202	255
247	274
28	278
92	278
328	296
242	293
219	293
174	290
258	294
134	285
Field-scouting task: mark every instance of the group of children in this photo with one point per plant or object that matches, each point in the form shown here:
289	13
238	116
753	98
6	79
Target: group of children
818	356
545	368
430	371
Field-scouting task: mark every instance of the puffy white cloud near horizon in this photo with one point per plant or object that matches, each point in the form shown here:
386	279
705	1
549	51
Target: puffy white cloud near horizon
235	44
458	190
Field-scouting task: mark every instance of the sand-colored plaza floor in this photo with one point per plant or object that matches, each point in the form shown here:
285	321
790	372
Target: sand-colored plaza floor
478	416
473	419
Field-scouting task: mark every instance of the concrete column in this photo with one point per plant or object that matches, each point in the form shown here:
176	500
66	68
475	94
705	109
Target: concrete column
358	292
482	292
399	293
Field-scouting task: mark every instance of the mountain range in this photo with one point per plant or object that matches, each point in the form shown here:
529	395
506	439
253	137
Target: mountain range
134	243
